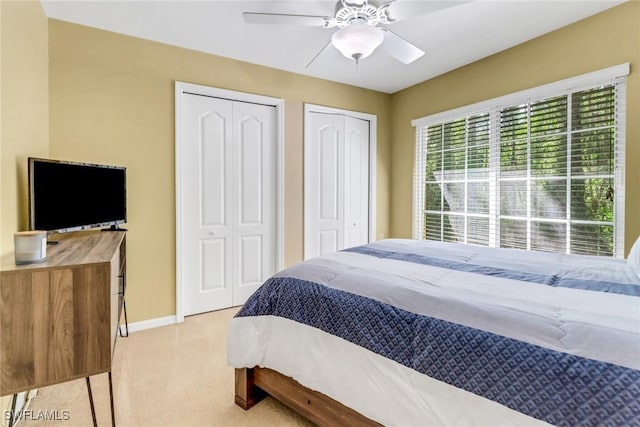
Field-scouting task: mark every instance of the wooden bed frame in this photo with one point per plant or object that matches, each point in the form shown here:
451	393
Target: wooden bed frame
254	384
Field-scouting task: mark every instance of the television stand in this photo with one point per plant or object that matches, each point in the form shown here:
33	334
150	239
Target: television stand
60	319
114	228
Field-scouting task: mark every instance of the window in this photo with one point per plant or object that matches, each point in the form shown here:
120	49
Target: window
538	170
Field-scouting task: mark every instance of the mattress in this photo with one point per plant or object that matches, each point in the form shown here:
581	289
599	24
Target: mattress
412	333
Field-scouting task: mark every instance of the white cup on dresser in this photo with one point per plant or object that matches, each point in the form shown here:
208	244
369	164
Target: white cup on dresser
30	246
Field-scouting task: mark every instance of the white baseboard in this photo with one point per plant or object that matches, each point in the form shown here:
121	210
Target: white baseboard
151	323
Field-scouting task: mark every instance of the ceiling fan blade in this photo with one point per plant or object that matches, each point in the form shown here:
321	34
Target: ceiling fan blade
399	48
284	19
399	10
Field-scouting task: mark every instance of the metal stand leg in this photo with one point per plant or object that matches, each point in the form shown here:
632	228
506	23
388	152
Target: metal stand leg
93	409
12	415
126	322
113	413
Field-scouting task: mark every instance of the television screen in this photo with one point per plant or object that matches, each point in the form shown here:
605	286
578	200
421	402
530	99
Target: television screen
67	196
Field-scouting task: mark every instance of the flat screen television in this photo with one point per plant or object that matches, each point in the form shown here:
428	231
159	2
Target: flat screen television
68	196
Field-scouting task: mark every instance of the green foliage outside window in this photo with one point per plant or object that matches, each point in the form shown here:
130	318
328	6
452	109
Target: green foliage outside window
547	149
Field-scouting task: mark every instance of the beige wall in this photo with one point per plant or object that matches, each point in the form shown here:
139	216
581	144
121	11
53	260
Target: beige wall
606	39
24	123
2	232
24	119
112	101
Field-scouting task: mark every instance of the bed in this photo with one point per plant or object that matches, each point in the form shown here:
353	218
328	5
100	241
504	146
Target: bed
405	332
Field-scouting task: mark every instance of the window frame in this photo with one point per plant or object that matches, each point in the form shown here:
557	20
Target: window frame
615	76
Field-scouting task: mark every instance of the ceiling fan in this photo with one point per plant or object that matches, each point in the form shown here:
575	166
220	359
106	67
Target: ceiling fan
358	32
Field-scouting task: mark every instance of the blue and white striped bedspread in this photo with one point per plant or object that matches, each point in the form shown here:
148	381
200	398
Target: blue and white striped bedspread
555	337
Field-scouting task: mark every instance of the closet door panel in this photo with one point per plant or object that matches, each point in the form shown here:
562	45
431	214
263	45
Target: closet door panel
250	145
336	182
207	212
356	183
324	189
213	146
254	183
329	141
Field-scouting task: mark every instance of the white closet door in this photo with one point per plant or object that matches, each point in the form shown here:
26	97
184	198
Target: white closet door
356	182
207	209
324	175
229	210
254	213
336	183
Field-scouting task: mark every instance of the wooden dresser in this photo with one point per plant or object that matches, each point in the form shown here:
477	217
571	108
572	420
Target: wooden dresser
59	318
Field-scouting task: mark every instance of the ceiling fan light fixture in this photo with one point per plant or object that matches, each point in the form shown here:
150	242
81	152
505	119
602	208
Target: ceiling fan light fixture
357	41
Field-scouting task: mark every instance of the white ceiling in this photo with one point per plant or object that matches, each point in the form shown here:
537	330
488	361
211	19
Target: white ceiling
458	34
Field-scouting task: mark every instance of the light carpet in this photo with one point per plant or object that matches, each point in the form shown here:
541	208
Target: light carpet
171	376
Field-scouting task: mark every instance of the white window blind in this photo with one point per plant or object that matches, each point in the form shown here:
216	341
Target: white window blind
540	173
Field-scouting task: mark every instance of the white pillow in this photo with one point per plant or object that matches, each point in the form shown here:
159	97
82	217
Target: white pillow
633	260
